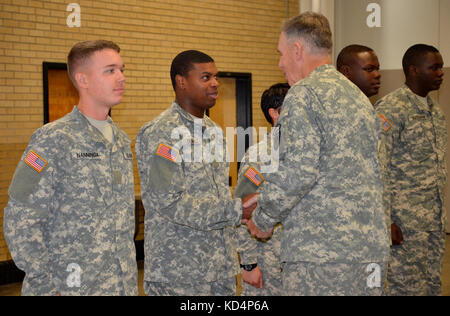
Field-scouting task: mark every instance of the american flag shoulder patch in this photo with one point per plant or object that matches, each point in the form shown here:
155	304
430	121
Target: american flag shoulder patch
386	124
35	161
254	176
167	152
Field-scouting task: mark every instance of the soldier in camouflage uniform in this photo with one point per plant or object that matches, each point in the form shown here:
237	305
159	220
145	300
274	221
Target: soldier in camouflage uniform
413	148
190	214
69	221
327	192
261	255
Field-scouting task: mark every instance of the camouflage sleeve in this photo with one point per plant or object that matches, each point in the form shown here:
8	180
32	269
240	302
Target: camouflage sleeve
27	214
177	194
300	141
390	122
247	246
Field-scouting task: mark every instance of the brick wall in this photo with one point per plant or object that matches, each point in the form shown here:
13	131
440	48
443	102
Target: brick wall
241	35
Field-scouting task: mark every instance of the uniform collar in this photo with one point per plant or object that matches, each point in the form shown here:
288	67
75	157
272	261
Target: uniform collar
187	116
417	102
94	133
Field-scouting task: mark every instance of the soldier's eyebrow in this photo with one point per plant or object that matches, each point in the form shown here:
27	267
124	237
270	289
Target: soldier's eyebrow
115	65
209	74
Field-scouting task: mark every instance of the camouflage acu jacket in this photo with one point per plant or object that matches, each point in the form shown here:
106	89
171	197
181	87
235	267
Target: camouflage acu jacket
188	204
413	154
328	190
69	222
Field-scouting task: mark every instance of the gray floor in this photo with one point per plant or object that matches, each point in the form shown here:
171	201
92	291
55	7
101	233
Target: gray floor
14	289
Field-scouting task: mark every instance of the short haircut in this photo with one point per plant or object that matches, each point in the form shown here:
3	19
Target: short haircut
313	28
273	98
347	55
414	56
81	52
184	62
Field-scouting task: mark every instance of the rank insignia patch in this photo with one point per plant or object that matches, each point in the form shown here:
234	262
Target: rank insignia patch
386	125
254	176
167	152
35	161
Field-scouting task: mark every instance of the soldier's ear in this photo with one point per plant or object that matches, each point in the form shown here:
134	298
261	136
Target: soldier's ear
180	81
81	80
412	71
298	50
345	70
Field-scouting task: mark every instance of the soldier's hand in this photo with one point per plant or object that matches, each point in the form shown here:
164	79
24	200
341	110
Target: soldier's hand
254	277
249	203
256	232
396	234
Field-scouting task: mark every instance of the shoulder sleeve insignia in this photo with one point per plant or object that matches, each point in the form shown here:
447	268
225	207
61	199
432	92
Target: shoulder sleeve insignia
386	124
254	176
35	161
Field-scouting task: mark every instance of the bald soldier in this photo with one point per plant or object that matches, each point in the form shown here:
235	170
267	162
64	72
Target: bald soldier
413	157
190	214
361	66
69	222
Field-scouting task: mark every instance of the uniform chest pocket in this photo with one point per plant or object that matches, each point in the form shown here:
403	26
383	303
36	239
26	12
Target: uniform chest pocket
199	177
80	182
418	135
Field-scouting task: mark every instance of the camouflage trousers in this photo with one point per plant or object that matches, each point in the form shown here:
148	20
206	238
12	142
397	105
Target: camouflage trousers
333	279
225	287
416	265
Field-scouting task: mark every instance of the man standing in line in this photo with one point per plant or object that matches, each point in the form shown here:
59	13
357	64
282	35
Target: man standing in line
360	65
69	221
190	214
328	190
413	155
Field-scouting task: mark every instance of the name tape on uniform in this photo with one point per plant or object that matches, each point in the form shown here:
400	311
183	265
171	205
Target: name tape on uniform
89	155
167	152
35	161
386	125
254	176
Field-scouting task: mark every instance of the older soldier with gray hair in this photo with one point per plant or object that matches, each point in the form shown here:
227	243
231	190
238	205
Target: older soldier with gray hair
69	221
328	190
413	157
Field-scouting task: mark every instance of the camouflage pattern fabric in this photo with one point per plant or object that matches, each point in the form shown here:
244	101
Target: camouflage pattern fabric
416	265
414	155
218	288
71	211
327	192
190	214
334	279
413	147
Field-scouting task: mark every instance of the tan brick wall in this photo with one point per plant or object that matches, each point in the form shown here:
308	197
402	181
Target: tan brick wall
241	35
